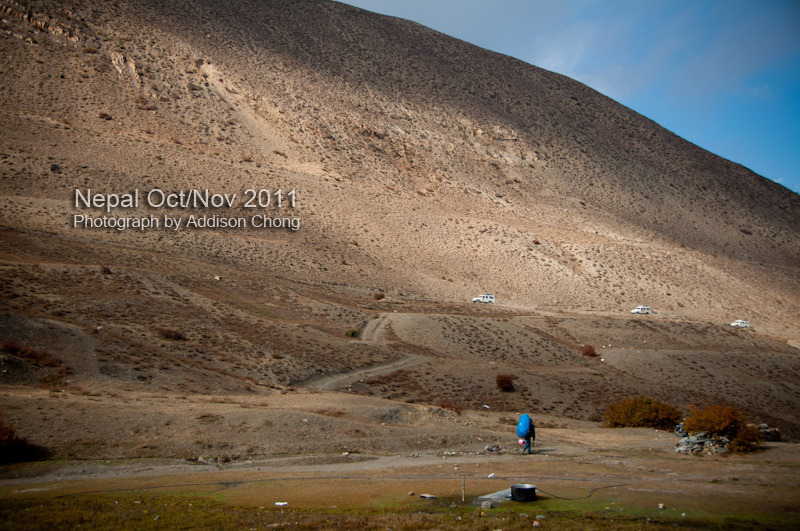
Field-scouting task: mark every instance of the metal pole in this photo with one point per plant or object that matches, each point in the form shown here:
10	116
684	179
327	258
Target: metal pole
463	486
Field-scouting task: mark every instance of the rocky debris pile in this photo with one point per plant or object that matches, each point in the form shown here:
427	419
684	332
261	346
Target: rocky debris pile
215	459
704	444
769	434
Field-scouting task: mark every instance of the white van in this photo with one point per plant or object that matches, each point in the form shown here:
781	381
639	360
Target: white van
641	309
741	323
488	297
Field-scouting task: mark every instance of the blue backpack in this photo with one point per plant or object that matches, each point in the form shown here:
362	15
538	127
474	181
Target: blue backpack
524	426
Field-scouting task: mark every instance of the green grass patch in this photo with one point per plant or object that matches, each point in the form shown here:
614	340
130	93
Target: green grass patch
145	510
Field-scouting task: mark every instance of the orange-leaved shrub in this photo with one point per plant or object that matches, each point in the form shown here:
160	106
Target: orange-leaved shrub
589	351
714	419
641	412
724	421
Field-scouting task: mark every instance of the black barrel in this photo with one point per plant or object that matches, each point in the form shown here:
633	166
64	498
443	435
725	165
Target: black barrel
523	492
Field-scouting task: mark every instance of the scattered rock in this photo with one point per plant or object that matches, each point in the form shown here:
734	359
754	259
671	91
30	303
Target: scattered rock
770	434
702	443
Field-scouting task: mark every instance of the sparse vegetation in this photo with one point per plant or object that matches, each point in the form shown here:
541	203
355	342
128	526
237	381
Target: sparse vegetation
353	333
143	103
55	379
641	412
330	412
38	356
456	408
505	382
126	510
378	296
589	351
172	334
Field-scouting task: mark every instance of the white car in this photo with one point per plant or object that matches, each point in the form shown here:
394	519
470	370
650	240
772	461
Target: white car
741	323
488	297
641	309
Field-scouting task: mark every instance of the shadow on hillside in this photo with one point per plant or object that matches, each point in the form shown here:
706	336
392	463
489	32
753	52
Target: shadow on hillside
14	449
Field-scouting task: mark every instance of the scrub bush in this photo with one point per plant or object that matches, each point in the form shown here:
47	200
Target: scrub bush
641	412
505	382
715	419
40	357
452	406
719	420
172	334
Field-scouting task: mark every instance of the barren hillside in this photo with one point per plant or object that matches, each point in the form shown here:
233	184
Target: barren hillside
415	172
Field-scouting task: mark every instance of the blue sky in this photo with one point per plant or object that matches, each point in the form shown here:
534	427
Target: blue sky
723	74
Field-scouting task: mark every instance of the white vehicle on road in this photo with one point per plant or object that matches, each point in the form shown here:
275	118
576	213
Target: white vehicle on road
641	309
741	323
488	297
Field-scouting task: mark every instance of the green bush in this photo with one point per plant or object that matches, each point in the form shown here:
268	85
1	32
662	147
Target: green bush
641	412
352	333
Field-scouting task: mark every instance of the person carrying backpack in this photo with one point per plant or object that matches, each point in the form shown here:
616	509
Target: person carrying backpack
526	432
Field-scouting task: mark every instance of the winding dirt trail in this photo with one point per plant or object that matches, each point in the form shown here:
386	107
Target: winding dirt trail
340	380
376	331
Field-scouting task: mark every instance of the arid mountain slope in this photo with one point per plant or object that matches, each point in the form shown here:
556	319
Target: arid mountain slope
424	171
416	157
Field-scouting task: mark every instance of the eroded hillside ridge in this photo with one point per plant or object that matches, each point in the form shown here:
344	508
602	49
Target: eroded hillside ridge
406	147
